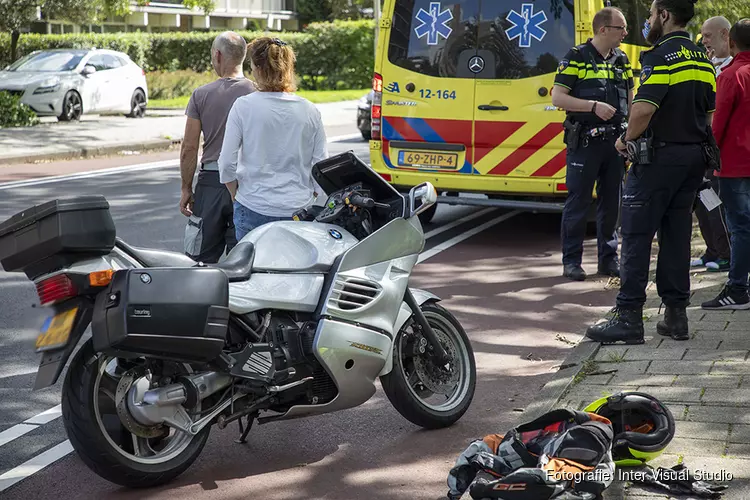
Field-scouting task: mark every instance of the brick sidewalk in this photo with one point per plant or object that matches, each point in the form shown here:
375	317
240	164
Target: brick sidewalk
705	382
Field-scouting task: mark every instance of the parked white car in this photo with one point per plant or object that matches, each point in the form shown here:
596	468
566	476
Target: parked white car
67	83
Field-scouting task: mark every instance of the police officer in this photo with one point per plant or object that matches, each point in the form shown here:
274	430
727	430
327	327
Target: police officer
668	128
594	85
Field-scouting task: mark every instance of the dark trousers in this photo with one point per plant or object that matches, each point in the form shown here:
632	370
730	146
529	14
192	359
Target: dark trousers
735	196
713	227
597	163
211	228
659	198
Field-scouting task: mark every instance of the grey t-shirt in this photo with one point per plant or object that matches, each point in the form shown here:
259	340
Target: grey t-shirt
211	104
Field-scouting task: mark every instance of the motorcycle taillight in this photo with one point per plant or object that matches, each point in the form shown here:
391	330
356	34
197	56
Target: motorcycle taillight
55	289
376	109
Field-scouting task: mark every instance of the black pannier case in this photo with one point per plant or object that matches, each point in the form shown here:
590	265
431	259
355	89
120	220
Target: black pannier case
56	234
180	314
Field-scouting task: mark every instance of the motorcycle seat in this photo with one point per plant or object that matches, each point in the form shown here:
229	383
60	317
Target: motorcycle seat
150	257
238	266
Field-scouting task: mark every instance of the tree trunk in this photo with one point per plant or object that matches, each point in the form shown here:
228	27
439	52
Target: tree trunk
14	36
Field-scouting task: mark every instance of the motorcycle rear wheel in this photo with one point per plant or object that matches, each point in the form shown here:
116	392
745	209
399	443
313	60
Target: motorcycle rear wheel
104	444
414	378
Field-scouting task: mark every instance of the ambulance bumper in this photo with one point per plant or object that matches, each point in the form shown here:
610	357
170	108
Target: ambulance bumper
525	205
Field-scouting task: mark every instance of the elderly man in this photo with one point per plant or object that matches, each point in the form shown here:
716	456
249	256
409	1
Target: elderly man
715	37
210	228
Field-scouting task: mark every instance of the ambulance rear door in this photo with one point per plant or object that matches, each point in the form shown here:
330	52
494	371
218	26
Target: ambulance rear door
518	133
427	87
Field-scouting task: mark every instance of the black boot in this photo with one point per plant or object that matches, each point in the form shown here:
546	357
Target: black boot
574	271
611	268
626	325
675	324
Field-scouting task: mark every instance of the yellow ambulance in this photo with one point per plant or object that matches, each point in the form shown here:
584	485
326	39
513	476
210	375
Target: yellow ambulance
462	96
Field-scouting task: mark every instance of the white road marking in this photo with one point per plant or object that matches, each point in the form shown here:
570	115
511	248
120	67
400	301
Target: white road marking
15	432
457	222
116	170
464	236
29	425
39	462
46	416
35	464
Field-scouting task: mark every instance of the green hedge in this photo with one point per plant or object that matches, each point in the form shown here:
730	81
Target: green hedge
15	114
336	55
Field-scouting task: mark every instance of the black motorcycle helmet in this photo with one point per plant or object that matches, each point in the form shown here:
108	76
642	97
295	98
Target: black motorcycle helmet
642	424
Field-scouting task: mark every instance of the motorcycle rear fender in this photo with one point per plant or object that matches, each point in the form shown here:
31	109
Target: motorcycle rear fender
422	297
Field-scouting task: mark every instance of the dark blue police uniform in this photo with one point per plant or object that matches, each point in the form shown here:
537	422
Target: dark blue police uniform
591	155
679	80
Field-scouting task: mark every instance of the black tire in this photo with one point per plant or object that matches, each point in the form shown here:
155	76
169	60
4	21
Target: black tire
427	216
366	135
85	434
137	104
72	107
405	401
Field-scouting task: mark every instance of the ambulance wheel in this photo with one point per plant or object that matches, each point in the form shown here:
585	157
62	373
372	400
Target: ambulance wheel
426	216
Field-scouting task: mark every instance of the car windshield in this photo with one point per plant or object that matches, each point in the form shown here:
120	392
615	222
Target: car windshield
51	61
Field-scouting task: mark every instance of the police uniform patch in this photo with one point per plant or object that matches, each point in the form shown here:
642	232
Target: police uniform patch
645	73
563	64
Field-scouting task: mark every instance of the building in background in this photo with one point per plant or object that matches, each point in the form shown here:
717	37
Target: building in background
171	15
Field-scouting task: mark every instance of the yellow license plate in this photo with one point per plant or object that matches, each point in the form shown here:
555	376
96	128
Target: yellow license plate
426	159
56	330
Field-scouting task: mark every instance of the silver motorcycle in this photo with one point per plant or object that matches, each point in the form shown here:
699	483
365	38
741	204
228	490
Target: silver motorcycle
300	319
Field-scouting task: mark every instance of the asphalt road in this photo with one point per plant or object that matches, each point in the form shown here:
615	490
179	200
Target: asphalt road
497	271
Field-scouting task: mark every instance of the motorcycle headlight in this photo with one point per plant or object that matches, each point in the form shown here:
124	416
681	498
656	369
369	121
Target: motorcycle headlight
47	89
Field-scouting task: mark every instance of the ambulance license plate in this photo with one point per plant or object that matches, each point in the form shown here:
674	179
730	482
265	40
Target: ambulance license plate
56	330
427	159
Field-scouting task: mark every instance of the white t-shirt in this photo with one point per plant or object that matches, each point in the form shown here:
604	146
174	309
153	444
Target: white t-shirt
271	142
720	64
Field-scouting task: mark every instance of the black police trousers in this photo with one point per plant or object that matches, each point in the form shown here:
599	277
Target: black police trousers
659	197
599	163
214	214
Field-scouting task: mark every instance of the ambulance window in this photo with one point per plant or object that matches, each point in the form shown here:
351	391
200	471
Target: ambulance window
636	12
419	42
521	39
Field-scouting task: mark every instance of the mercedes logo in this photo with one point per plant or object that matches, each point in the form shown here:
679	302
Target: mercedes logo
476	64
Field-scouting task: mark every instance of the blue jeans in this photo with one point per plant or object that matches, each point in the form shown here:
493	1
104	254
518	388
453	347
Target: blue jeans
245	220
735	195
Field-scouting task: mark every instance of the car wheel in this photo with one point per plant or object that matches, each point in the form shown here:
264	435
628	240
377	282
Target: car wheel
72	107
137	104
366	135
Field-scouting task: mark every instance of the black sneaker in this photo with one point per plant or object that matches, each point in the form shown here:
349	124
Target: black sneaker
729	299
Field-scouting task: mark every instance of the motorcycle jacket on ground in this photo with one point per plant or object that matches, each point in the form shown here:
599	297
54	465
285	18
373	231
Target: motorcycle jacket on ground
563	452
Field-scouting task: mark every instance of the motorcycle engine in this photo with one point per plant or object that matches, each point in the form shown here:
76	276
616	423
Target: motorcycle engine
284	356
296	341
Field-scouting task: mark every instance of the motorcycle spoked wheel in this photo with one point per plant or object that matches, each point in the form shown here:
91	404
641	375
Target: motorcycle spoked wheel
104	444
425	394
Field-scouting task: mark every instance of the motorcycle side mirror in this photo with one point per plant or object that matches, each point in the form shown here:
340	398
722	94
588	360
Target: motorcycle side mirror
421	197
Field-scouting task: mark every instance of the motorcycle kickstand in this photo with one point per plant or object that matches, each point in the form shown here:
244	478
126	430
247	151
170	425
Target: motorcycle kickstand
244	432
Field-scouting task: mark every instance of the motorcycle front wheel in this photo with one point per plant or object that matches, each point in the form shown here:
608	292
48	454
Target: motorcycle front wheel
95	429
428	395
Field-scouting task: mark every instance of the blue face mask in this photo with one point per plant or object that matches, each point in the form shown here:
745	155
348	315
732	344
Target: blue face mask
646	29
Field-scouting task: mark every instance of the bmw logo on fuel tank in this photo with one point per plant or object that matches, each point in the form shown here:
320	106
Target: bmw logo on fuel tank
335	234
